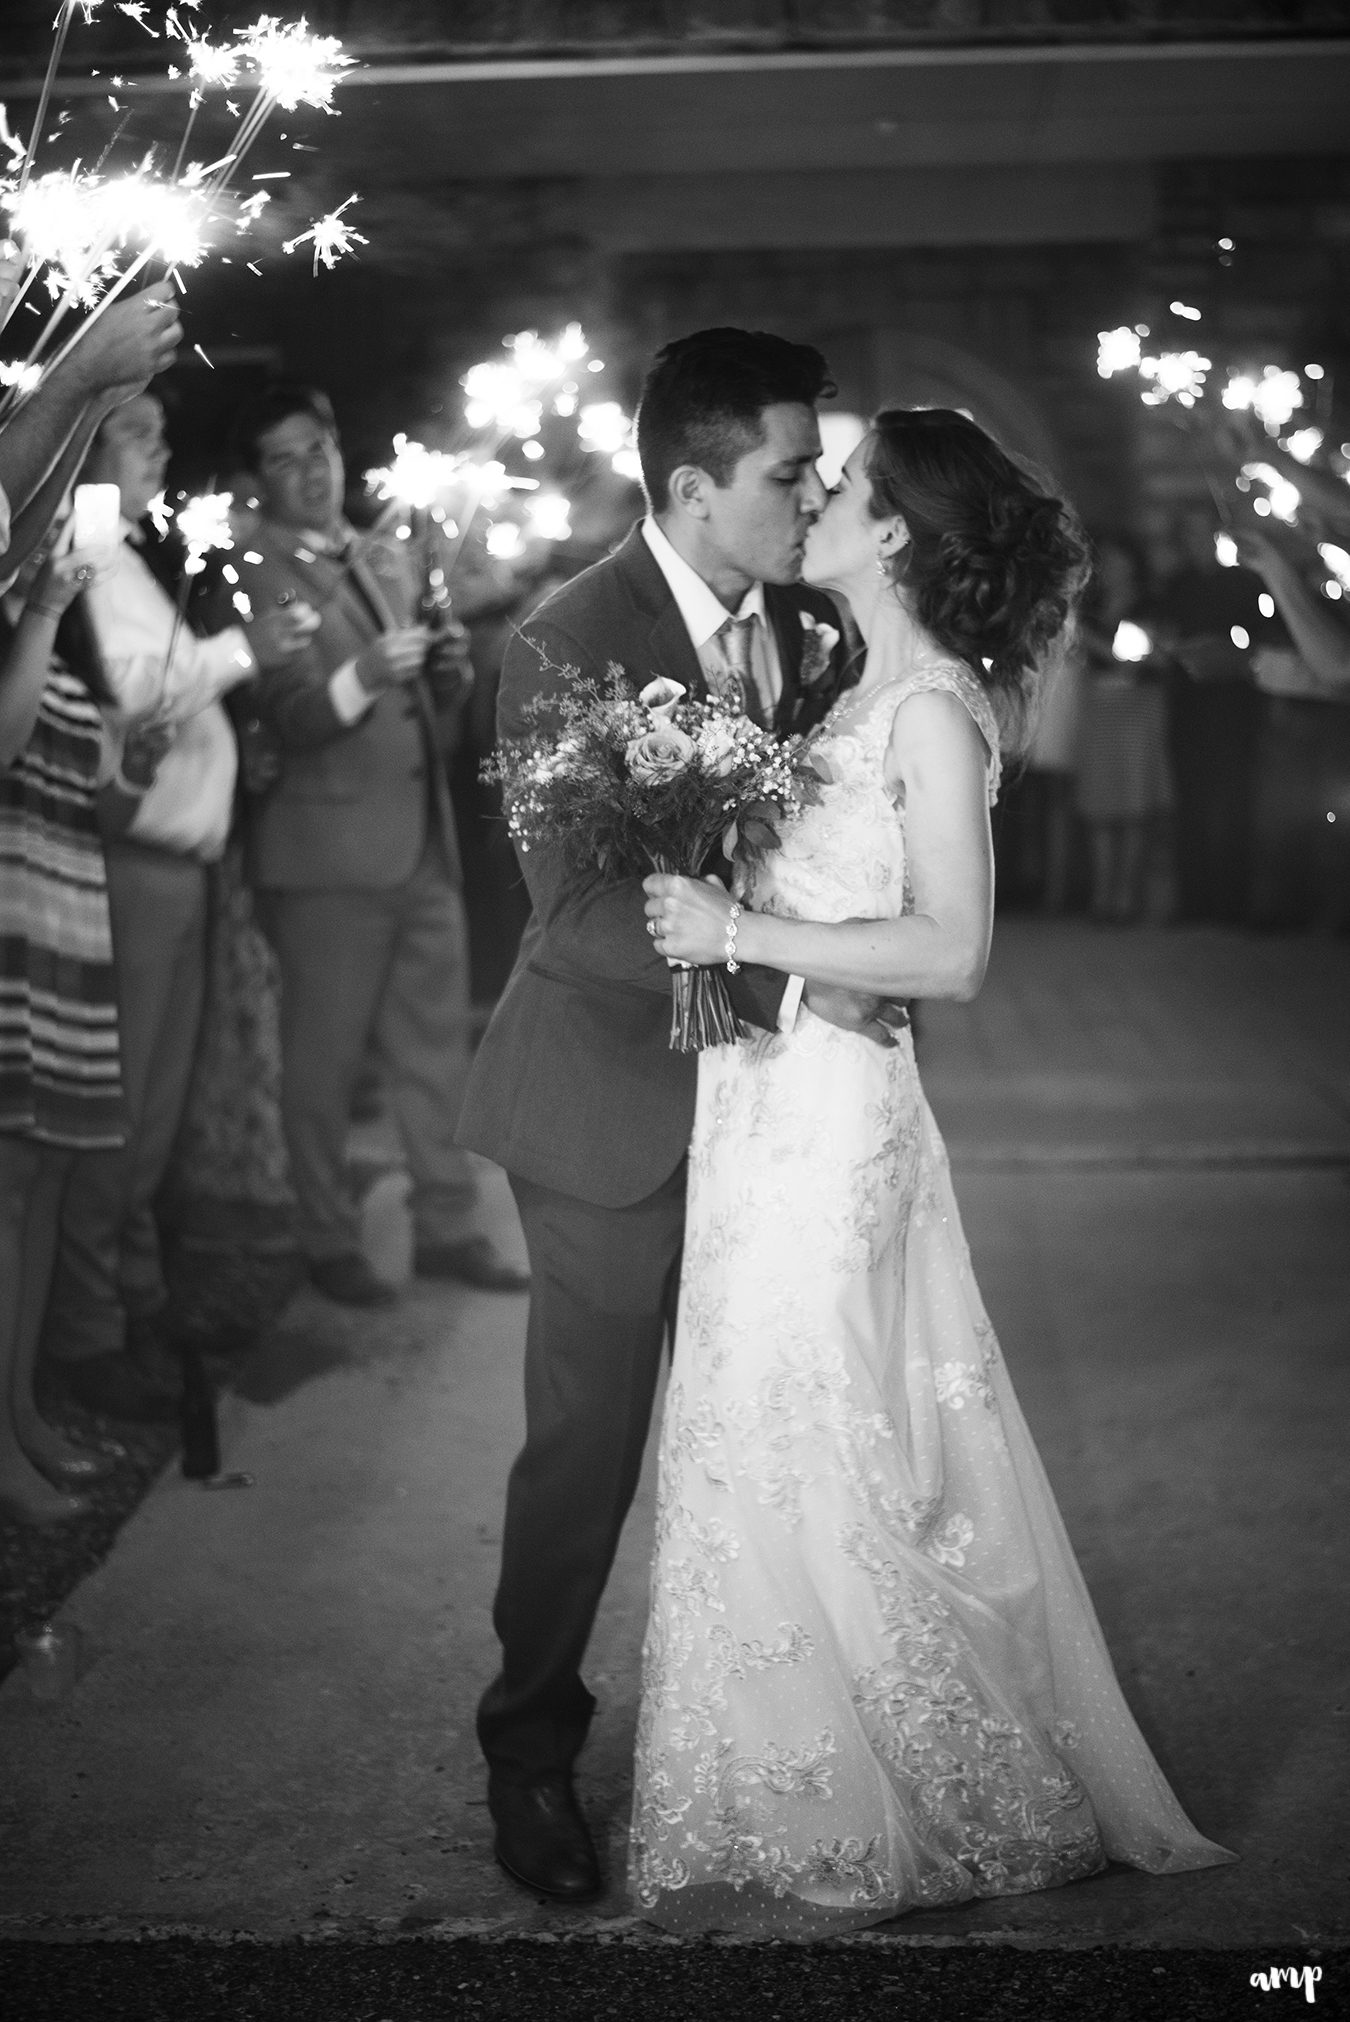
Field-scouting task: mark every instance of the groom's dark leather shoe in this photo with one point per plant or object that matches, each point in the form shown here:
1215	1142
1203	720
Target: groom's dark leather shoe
542	1840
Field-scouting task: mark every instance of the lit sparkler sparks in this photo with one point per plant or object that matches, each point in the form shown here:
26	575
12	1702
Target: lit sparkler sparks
294	67
1272	398
211	65
1303	444
507	395
1174	375
505	542
606	429
16	373
1282	498
1338	561
203	525
418	477
1118	351
332	236
1131	642
548	516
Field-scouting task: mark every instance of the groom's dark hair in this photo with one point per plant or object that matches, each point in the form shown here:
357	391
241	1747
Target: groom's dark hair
703	401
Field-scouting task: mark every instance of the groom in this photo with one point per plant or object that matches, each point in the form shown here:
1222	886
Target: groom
575	1089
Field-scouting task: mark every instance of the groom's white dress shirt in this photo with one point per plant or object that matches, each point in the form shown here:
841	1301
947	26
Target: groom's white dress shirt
704	615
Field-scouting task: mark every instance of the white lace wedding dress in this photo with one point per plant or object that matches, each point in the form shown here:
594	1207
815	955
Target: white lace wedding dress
873	1680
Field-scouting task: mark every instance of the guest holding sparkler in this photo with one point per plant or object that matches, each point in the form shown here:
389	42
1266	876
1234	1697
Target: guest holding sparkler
44	438
60	1092
354	857
165	808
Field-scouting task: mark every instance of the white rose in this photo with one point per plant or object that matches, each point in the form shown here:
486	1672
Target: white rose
662	754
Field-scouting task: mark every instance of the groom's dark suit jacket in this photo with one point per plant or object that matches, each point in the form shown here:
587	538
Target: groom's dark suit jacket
574	1085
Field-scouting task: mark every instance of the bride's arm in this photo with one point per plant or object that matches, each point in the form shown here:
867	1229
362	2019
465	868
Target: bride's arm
938	757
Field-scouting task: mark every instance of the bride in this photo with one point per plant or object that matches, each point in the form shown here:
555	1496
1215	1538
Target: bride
873	1680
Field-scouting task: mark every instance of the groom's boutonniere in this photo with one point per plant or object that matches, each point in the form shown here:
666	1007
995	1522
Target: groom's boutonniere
818	643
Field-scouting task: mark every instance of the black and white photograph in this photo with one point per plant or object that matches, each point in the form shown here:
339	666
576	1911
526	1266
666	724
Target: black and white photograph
674	1010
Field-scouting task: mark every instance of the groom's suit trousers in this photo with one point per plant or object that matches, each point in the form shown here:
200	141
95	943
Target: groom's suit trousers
604	1283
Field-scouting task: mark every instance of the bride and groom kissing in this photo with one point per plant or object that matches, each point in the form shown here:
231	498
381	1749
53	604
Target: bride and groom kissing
872	1679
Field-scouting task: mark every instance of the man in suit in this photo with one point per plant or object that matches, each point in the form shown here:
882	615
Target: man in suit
575	1089
352	851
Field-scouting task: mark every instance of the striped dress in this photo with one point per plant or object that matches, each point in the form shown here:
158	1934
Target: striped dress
60	1076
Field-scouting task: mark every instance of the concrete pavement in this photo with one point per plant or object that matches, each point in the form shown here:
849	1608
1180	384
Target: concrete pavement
273	1731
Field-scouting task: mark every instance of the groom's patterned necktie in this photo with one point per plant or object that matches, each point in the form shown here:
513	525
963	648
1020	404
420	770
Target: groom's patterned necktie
738	686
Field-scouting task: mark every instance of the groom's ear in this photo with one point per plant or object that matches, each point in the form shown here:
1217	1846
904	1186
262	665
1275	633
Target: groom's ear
688	490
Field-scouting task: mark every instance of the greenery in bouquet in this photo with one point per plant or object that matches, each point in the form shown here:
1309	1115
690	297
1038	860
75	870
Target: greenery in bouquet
621	784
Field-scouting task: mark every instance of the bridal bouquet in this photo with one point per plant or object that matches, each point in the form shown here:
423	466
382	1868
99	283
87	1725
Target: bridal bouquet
623	785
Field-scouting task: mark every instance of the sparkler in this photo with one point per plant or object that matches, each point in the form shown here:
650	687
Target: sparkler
1174	375
1273	398
1118	351
1338	561
441	491
211	66
1131	642
203	526
507	395
549	516
1303	444
20	376
332	237
1282	499
293	68
63	21
75	225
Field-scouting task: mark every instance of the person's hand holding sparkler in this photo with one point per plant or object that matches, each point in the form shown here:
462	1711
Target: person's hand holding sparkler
276	636
393	659
11	275
129	344
449	668
143	749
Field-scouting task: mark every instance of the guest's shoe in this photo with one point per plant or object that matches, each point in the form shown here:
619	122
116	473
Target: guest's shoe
474	1261
349	1279
542	1840
115	1386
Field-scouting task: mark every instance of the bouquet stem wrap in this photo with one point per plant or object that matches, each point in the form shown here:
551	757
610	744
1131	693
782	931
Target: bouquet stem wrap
701	1013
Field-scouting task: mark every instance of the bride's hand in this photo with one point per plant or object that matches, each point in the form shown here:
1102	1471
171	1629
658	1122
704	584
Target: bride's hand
687	918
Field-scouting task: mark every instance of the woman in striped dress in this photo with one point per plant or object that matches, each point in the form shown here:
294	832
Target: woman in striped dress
60	1088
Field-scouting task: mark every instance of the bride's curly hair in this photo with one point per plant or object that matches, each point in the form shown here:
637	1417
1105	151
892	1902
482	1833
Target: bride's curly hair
995	563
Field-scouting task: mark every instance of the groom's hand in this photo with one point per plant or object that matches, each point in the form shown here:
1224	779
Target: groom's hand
877	1018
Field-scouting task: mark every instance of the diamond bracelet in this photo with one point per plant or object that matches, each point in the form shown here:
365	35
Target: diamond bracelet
733	923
